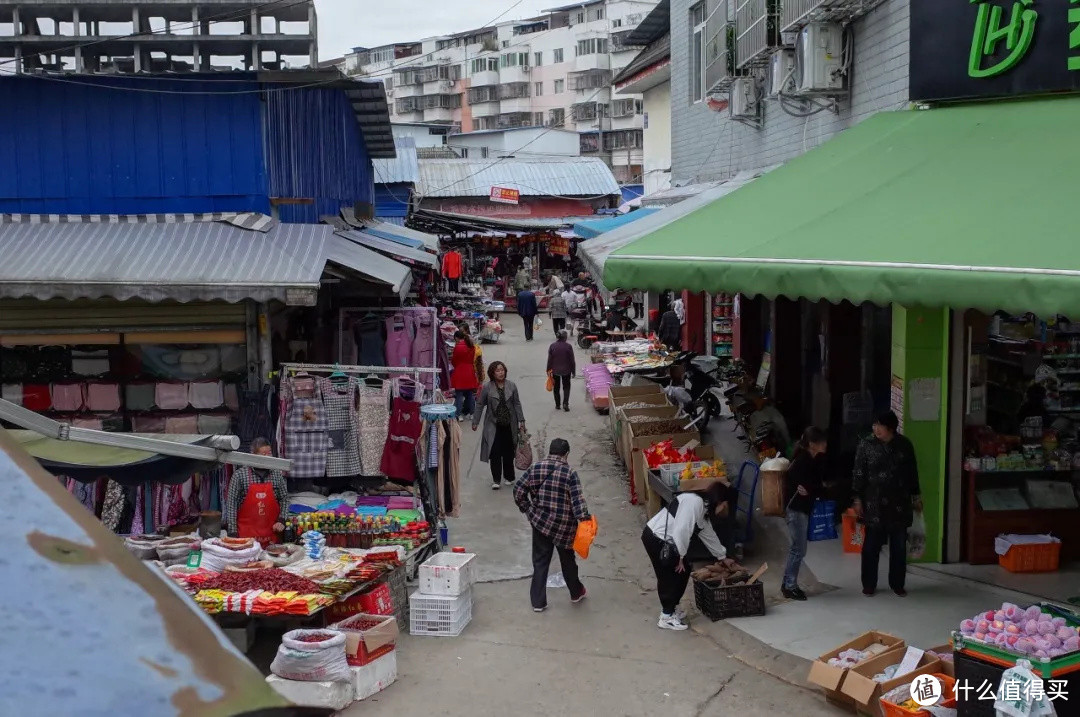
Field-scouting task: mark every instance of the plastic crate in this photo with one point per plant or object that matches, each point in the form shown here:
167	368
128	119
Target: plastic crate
448	574
718	602
670	472
1033	558
439	615
396	579
947	701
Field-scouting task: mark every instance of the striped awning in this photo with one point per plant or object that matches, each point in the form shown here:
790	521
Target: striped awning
175	261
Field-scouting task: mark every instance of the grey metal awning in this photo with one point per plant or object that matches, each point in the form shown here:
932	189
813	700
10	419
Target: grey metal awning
395	250
186	261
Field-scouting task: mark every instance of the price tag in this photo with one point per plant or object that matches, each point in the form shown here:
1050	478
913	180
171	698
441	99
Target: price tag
194	559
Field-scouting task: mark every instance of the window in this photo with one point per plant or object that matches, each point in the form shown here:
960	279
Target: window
484	64
557	117
515	59
483	94
580	18
697	52
538	89
592	46
513	90
538	59
538	119
506	43
599	14
616	23
558	56
560	85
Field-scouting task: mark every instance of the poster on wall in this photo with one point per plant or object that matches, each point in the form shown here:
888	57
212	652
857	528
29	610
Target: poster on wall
763	372
896	399
924	399
992	48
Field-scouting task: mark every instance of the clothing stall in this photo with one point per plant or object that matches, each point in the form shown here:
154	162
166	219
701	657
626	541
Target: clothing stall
375	430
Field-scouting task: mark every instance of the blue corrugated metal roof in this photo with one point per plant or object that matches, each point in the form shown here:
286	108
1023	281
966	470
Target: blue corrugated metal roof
401	169
595	227
392	200
533	176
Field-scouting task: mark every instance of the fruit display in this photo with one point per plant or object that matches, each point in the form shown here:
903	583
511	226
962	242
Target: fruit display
1025	631
715	469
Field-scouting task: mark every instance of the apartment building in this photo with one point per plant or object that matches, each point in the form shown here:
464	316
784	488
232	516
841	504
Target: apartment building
118	36
551	71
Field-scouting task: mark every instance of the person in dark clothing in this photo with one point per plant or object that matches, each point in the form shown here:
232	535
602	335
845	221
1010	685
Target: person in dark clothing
550	496
885	481
801	483
526	308
562	364
670	333
557	310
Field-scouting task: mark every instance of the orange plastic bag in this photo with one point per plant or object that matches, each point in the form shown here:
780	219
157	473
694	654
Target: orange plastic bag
550	385
586	532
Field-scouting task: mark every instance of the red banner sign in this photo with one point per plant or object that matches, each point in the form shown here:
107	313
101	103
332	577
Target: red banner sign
503	195
559	245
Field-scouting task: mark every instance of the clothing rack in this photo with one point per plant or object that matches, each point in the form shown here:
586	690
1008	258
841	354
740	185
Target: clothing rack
360	310
327	368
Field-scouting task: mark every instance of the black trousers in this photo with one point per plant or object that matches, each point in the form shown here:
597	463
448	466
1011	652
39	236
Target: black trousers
876	538
639	310
558	325
670	585
564	383
542	549
529	320
501	457
454	285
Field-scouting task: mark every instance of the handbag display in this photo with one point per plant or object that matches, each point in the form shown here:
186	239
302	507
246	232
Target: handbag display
523	455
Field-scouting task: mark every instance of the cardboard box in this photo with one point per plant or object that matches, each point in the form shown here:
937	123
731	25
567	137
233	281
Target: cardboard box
654	396
639	468
860	686
653	502
947	668
371	639
831	678
625	426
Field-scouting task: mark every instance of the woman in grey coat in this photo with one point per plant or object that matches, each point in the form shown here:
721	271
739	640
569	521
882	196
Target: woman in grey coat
500	405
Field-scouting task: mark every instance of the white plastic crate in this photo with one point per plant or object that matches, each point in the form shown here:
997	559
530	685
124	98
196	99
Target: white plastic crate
670	472
439	615
448	574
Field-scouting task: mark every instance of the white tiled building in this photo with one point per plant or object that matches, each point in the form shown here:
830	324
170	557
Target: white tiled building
553	71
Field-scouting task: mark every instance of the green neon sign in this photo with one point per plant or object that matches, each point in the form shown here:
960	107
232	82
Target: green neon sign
989	32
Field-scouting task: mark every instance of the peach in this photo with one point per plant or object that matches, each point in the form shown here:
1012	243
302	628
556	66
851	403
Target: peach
1012	629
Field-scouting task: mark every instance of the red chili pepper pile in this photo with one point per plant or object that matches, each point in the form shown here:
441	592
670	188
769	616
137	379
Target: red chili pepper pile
361	623
317	637
274	580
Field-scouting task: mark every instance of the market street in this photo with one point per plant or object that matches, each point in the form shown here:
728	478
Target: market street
604	654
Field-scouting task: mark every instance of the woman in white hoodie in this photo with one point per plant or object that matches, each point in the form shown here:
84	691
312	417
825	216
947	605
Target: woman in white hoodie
687	515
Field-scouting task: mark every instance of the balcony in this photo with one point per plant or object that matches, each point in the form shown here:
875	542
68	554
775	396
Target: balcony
439	114
594	61
485	109
516	104
517	73
438	87
627	122
515	119
485	78
480	95
588	80
402	91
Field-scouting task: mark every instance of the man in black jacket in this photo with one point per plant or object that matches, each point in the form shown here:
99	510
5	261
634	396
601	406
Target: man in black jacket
886	486
670	332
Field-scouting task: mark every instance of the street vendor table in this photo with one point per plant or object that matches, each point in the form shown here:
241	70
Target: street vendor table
619	335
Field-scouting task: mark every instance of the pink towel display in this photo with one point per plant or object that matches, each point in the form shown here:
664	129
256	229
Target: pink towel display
186	424
148	424
87	422
206	394
214	424
104	397
68	396
171	396
232	397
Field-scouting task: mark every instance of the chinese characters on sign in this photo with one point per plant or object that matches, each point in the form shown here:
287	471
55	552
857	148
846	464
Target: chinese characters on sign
559	246
504	195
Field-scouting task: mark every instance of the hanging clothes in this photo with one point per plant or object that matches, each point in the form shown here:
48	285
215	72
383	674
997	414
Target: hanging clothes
254	415
399	454
422	354
398	341
448	480
103	396
374	419
367	333
451	265
340	400
306	440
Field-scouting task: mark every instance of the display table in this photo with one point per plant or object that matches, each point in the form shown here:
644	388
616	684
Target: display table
619	335
982	526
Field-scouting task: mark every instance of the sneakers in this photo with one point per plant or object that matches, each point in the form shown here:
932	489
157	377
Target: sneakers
671	622
680	613
539	609
495	486
580	597
510	481
794	593
566	407
558	406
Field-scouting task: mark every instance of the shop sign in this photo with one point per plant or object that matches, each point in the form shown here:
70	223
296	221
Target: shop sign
559	246
505	195
993	48
301	297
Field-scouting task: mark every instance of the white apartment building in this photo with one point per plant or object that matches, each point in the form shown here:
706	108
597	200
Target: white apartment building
551	71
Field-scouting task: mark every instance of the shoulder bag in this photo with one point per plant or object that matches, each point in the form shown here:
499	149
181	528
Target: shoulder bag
669	554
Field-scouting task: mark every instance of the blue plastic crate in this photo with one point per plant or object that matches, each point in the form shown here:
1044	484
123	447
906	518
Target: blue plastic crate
823	521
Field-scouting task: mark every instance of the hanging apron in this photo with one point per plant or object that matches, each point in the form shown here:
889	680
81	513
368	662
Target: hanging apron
257	514
399	455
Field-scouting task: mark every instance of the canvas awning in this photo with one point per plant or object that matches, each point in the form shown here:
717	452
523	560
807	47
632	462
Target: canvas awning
396	251
967	206
596	252
347	253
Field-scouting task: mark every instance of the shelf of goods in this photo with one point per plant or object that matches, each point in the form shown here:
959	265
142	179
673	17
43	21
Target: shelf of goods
1002	489
722	325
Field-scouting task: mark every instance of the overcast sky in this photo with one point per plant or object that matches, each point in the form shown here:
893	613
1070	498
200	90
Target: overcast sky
345	24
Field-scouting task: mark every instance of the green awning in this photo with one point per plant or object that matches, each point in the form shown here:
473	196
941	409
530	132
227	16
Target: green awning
968	206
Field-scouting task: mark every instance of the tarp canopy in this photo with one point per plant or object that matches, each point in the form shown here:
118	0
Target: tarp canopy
591	228
87	462
967	206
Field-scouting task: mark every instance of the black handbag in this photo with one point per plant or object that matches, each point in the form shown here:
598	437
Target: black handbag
669	554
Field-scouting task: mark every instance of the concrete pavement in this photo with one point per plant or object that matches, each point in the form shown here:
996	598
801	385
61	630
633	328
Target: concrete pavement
605	654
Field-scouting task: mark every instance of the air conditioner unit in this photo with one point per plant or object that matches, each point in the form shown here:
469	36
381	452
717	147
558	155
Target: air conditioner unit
744	98
526	69
782	73
819	59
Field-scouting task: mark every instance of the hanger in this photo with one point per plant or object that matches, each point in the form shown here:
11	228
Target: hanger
338	374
